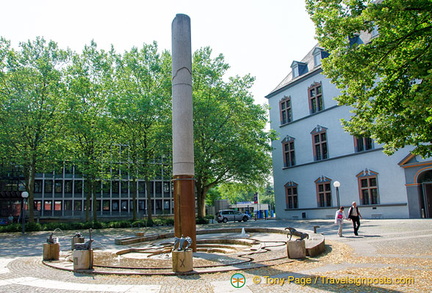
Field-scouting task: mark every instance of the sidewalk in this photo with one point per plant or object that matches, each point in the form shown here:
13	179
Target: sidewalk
387	256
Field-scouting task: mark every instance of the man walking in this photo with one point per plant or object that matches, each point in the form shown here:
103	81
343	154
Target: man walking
354	215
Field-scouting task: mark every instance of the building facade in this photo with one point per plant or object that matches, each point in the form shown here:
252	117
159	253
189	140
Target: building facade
318	166
61	195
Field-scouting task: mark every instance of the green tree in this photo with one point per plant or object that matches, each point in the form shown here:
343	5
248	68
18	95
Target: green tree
141	107
388	79
231	144
89	134
30	91
237	192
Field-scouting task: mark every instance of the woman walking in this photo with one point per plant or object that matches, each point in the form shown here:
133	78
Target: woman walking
339	217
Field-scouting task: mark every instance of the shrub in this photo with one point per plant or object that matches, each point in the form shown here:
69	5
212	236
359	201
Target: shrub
33	227
201	220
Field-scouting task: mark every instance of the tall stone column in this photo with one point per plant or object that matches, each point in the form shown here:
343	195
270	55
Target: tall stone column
182	128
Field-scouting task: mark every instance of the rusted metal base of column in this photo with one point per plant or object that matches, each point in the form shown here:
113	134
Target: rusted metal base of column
184	207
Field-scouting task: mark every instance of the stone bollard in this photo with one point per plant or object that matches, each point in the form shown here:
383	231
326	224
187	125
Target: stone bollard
296	249
83	259
83	255
51	251
182	261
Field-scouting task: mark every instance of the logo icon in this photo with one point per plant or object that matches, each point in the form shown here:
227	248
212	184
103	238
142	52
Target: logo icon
238	280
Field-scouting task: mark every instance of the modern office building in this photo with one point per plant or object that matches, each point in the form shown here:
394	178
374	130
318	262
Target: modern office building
61	195
318	166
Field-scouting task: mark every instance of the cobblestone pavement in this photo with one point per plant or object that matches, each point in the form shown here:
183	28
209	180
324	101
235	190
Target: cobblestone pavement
387	256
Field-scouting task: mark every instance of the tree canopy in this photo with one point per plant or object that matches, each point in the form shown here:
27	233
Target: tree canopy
231	144
109	115
381	59
30	91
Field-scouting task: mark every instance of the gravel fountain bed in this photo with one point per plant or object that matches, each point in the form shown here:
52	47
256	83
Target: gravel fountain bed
217	250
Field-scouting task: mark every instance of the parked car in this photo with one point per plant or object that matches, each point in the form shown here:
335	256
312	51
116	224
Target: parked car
231	215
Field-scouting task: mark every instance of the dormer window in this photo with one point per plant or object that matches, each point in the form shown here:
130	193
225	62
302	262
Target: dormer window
375	31
319	54
355	40
317	59
295	72
298	68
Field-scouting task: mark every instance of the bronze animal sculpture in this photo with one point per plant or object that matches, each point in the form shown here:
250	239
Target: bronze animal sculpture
180	243
51	240
84	246
294	232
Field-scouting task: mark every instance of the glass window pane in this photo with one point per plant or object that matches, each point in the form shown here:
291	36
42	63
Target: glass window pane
48	205
57	205
374	196
48	186
68	205
328	199
323	136
321	200
77	205
324	150
78	186
365	196
106	205
124	205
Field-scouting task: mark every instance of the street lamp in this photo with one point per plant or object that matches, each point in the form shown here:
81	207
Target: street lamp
24	196
337	184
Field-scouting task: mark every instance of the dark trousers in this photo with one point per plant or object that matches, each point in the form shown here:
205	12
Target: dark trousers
356	223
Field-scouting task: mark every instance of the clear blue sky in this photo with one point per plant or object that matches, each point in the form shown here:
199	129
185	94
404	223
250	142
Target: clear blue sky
255	36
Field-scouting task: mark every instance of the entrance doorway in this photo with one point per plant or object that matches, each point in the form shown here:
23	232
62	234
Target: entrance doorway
425	179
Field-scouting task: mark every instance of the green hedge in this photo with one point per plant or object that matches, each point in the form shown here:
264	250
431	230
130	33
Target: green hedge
94	225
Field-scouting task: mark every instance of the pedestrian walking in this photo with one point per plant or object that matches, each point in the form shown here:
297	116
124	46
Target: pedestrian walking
339	218
354	215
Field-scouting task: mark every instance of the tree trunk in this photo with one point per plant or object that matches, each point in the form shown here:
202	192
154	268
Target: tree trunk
94	201
201	195
134	191
149	202
29	186
87	189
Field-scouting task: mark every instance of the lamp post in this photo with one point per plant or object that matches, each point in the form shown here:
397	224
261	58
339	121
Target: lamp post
337	184
24	196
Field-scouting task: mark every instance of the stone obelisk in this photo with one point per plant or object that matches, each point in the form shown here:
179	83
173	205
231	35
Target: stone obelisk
182	129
